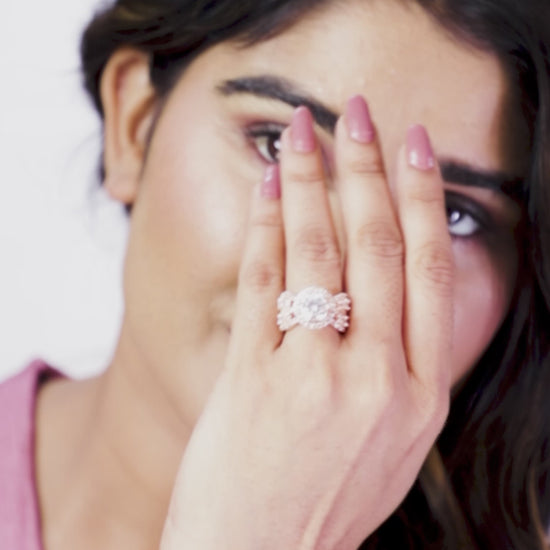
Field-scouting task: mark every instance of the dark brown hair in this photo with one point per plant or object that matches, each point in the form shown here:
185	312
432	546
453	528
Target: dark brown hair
486	484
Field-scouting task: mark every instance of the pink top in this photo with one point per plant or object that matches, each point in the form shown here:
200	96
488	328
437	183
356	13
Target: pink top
19	513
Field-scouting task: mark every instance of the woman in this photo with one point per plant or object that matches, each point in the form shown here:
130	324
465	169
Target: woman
239	138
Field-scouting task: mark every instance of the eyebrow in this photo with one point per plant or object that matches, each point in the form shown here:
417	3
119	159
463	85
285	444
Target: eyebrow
464	174
273	87
281	89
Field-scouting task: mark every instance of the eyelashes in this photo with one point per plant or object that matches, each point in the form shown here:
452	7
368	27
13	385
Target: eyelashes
266	140
466	218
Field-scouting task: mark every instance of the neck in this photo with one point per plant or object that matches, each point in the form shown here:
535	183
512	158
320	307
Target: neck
108	450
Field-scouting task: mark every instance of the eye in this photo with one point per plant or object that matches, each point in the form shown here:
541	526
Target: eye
465	218
461	224
266	139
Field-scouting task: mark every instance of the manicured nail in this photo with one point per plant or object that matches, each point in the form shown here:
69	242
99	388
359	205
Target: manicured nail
302	133
271	184
358	120
419	149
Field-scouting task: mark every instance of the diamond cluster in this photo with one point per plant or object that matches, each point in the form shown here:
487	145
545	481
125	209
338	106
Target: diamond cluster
313	308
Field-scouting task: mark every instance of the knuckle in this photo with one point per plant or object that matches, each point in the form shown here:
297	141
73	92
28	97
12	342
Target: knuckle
260	275
307	175
435	265
434	410
381	239
385	384
367	164
428	195
316	396
388	379
317	244
267	220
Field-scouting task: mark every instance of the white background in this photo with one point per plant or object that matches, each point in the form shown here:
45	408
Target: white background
61	240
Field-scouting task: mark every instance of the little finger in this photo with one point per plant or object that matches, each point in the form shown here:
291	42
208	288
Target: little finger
429	263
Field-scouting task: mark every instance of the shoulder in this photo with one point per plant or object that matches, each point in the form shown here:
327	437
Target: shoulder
17	404
19	519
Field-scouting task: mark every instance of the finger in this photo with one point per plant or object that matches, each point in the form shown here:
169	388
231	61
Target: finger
262	269
312	251
374	259
429	266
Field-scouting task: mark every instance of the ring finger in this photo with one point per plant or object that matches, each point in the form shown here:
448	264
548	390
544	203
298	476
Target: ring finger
312	252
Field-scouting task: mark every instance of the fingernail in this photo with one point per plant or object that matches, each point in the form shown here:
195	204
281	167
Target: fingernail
271	184
419	149
358	120
302	133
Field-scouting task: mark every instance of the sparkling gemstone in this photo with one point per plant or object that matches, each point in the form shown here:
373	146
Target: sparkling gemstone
313	308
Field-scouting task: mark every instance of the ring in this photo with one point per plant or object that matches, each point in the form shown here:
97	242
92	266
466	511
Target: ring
314	308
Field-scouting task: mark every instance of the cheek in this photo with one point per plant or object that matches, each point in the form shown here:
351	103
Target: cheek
483	292
186	239
193	208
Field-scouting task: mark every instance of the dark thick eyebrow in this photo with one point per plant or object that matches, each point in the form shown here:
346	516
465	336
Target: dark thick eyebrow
499	182
281	89
273	87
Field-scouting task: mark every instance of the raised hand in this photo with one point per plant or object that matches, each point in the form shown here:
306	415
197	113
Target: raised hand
312	438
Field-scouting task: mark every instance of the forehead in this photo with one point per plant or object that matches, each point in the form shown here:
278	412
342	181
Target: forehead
406	65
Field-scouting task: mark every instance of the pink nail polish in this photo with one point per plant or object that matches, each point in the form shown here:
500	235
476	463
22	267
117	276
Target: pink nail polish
358	120
302	133
271	184
419	150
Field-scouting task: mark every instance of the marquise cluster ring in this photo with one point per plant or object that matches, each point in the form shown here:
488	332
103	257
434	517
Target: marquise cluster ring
314	308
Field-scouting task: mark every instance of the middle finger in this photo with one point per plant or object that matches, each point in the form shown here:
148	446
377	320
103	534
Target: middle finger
374	259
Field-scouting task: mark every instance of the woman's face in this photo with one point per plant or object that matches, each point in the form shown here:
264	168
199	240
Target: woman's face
219	129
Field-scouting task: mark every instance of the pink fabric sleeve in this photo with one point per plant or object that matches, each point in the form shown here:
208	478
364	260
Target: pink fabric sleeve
19	514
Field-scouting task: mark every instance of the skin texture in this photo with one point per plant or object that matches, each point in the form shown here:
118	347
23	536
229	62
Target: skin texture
190	184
